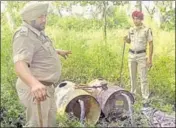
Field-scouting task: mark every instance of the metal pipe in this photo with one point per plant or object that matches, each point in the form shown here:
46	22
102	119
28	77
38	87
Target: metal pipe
129	108
82	115
122	64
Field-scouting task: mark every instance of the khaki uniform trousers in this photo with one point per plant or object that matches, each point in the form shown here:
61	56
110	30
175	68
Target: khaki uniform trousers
138	62
48	107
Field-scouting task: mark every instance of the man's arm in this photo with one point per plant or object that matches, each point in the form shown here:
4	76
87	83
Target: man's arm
150	54
126	39
63	53
150	42
38	90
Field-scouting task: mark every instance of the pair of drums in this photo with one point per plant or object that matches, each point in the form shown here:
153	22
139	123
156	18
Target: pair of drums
90	104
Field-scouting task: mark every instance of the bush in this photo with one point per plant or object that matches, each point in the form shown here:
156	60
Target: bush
117	19
78	24
10	107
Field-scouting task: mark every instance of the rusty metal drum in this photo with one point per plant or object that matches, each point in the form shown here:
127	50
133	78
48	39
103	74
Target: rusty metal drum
67	101
112	98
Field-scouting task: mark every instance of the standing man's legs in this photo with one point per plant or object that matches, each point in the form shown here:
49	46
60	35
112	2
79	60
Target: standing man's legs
47	107
53	109
142	68
133	73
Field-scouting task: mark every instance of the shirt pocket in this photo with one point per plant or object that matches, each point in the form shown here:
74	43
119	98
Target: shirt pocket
132	36
50	49
47	47
142	37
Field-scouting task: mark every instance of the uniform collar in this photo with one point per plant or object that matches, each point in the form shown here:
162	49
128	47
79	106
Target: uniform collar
32	28
139	27
43	33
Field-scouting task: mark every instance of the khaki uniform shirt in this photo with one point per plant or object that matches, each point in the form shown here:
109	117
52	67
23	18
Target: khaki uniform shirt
139	37
36	49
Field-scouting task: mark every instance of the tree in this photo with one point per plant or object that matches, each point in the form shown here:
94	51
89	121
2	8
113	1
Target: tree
139	5
104	15
150	11
167	14
13	13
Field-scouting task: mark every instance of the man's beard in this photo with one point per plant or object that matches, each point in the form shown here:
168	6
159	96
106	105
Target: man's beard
138	24
39	27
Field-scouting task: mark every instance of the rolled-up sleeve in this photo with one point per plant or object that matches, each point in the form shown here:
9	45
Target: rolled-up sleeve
23	49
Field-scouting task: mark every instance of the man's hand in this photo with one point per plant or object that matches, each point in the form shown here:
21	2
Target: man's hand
149	63
39	92
63	53
126	39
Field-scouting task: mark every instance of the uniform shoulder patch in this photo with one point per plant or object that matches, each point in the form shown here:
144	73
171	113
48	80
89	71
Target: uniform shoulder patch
131	30
21	31
24	31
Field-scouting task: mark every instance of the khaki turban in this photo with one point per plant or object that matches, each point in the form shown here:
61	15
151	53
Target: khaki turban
33	10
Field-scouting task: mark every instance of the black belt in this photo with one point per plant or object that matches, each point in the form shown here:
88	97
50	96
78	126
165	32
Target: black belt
137	52
47	83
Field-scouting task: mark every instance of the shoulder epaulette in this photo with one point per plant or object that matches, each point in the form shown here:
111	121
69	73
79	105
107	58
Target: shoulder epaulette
24	31
21	31
131	29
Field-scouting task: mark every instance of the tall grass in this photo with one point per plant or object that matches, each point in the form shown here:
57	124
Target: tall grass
92	58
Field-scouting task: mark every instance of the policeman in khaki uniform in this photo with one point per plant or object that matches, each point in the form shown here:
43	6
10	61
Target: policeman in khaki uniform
138	37
37	65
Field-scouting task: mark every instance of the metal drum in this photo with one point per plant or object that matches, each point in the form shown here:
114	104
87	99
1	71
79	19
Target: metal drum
68	99
113	98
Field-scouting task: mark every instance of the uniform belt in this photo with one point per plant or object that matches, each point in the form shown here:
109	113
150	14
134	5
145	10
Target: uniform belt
137	52
47	83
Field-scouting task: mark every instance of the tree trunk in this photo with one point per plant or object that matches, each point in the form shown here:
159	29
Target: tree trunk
104	14
139	5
